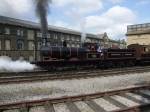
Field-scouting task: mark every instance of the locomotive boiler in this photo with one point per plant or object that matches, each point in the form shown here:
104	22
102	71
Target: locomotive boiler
62	53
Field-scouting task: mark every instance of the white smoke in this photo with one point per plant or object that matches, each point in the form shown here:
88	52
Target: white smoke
7	64
83	30
80	19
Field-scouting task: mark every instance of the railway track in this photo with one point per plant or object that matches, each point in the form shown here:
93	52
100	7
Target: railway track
134	99
45	75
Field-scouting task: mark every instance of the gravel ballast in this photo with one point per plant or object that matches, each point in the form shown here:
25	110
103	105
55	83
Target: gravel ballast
58	88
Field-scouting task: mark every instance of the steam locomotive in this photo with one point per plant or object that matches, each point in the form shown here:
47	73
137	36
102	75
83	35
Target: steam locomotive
92	55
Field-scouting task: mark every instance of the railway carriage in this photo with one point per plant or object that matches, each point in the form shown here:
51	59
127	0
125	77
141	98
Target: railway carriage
142	53
119	57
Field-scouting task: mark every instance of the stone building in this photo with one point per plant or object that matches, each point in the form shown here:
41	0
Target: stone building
23	39
104	41
138	34
19	38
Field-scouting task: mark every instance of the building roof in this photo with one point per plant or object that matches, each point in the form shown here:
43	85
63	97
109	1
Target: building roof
33	25
98	36
103	35
138	29
89	35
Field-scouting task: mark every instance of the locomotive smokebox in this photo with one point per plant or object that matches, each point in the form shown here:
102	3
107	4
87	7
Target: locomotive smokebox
45	50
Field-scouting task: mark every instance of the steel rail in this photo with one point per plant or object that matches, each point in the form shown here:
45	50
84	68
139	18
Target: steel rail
76	75
39	72
83	97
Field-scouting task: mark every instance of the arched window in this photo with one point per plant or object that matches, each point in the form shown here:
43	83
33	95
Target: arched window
20	45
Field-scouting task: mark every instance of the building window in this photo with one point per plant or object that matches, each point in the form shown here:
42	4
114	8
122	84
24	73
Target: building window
31	58
48	43
67	38
88	40
7	31
38	57
39	34
1	30
30	34
48	35
7	45
39	45
20	45
18	32
78	39
22	33
0	45
72	38
62	37
73	45
55	36
31	45
21	58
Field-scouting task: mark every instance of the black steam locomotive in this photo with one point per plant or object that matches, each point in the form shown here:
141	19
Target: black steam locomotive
92	55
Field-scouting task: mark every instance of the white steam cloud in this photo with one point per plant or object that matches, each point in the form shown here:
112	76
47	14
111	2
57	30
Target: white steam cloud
79	18
7	64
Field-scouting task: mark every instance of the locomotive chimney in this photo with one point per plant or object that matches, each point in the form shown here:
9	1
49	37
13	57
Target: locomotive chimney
42	10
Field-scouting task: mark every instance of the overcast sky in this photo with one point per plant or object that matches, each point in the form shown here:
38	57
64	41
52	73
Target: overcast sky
96	16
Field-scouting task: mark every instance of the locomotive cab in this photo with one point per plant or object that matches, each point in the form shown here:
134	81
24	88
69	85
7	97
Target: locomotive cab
91	46
95	51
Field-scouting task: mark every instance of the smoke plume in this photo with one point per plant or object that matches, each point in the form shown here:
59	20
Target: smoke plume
42	11
7	64
79	18
83	29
